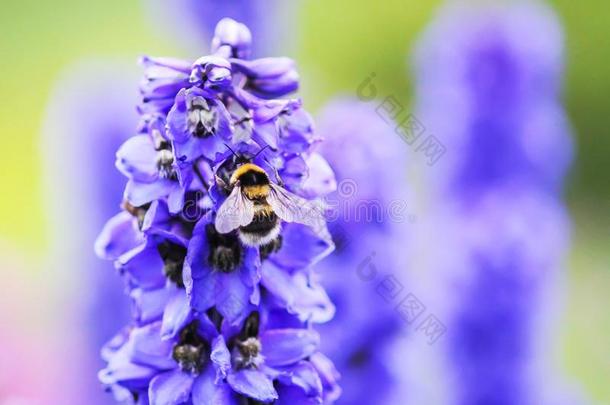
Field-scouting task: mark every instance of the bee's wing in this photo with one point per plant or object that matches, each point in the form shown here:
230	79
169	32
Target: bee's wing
292	208
236	211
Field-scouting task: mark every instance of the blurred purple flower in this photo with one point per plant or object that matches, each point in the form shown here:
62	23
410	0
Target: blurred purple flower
497	110
488	85
86	121
502	258
192	22
370	162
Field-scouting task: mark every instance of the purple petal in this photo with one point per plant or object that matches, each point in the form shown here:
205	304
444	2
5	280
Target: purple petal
144	266
173	387
269	77
275	86
236	36
207	392
120	234
139	194
291	395
296	130
270	109
175	198
149	304
266	134
301	247
328	375
250	270
121	370
254	384
129	375
146	348
206	327
172	65
176	120
156	214
200	283
295	292
321	180
221	357
282	347
294	171
303	375
177	313
137	159
232	296
212	72
264	67
199	279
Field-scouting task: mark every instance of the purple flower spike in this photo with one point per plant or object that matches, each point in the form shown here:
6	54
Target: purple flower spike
371	166
194	22
488	87
223	223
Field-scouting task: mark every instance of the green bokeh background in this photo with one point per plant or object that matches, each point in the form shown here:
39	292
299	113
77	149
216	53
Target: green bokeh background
338	43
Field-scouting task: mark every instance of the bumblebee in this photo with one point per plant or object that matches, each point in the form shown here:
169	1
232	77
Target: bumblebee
256	206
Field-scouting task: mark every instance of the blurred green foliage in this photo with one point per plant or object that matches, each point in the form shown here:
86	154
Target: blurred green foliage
339	43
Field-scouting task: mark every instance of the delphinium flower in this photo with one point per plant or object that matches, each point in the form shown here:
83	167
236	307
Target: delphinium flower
222	222
488	86
77	129
370	228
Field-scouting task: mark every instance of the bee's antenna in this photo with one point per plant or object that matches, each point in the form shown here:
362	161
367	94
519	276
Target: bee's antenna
260	151
232	151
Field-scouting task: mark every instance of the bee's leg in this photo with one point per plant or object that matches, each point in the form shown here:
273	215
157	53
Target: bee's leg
271	247
221	183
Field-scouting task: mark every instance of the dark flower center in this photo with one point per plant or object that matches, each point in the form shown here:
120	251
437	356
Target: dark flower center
247	353
247	346
201	119
159	141
225	250
192	350
173	260
249	401
165	161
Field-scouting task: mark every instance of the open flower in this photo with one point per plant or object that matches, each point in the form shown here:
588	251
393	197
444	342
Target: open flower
220	272
198	125
271	350
148	162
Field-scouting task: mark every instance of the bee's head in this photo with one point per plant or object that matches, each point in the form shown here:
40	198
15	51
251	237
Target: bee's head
242	169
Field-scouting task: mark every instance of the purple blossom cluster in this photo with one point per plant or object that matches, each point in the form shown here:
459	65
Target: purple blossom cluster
220	227
489	79
368	155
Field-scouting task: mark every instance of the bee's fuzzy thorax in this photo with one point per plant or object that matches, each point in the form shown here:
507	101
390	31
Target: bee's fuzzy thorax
244	169
255	192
